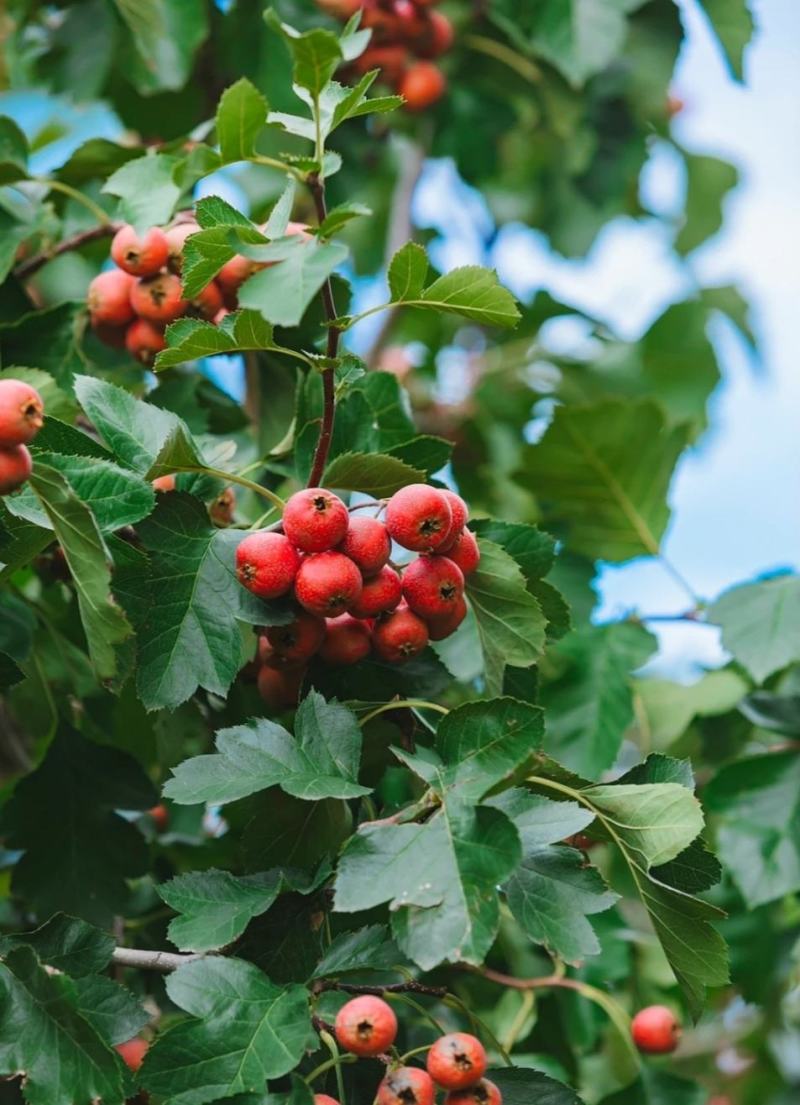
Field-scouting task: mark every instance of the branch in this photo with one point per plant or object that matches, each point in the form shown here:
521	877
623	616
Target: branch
328	382
410	987
543	983
33	264
151	960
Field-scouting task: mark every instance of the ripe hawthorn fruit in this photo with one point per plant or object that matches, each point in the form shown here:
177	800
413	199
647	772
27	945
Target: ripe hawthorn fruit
15	467
418	517
406	1086
457	1061
267	564
207	303
422	85
233	274
327	584
459	512
367	544
315	520
160	816
21	412
176	239
465	552
399	635
390	59
366	1025
279	687
163	483
158	298
133	1052
298	640
347	640
378	595
438	36
432	586
109	298
482	1093
324	1099
143	340
140	256
340	9
656	1030
447	624
113	336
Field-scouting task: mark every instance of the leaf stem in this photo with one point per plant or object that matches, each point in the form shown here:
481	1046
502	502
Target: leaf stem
33	264
500	52
73	193
330	1044
256	488
403	704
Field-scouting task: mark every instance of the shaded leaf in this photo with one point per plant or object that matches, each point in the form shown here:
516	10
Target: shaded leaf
371	473
760	624
241	114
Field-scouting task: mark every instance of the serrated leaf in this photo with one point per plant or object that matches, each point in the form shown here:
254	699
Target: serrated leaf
146	189
531	1087
278	221
539	820
760	624
216	906
408	271
282	292
367	949
68	944
189	339
474	293
371	473
316	54
340	216
580	37
13	152
110	1009
241	114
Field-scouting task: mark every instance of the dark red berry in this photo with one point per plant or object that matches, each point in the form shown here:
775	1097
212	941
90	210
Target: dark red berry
280	687
347	640
144	340
418	517
15	467
159	298
298	640
366	1025
482	1093
656	1030
456	1061
367	544
465	552
315	519
432	586
399	636
447	624
406	1086
328	584
379	594
267	564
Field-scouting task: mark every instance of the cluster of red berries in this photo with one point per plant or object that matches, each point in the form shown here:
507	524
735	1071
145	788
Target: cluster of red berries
21	418
131	305
406	36
351	600
367	1027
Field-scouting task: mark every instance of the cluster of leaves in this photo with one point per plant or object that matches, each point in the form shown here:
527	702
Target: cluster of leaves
359	841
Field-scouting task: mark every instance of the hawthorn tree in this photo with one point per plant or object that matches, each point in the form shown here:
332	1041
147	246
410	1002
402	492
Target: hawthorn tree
258	759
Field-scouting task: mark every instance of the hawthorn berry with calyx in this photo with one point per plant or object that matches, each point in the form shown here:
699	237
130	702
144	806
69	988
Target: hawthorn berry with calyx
133	1052
109	298
459	512
159	298
366	1025
656	1030
347	640
328	584
482	1093
422	85
207	303
267	564
457	1061
378	594
399	636
144	340
432	586
418	517
438	37
406	1086
279	687
140	256
445	626
298	640
15	467
233	274
21	412
315	520
176	239
367	544
465	552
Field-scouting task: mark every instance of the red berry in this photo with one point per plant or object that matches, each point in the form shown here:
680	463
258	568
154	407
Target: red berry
159	298
460	513
438	36
133	1052
399	636
233	274
160	815
366	1025
367	544
21	410
109	298
406	1086
140	256
340	9
143	340
656	1030
298	640
324	1099
439	628
465	552
15	467
267	564
163	483
347	640
207	303
581	841
423	84
113	336
279	687
418	517
327	584
176	238
457	1061
482	1093
390	59
432	585
378	595
315	519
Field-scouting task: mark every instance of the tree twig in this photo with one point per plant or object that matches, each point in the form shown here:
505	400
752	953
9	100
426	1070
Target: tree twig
328	382
33	264
151	960
409	987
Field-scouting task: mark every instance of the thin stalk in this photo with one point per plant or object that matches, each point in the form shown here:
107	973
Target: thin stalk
74	194
403	704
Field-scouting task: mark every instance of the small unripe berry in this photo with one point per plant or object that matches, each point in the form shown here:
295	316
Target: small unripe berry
21	411
366	1025
367	544
315	519
422	85
298	640
432	586
109	298
176	238
347	640
163	483
459	512
378	595
399	636
457	1061
140	256
133	1052
159	298
482	1093
439	628
465	552
328	583
160	816
144	340
279	687
266	564
418	517
406	1086
656	1030
15	467
207	303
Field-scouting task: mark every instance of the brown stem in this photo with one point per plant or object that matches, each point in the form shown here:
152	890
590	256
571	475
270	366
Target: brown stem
27	268
544	983
410	987
328	382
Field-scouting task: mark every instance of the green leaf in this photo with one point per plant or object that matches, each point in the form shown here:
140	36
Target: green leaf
709	179
669	708
408	272
110	1009
189	338
81	872
166	35
340	216
44	1038
540	821
244	1030
282	292
510	621
10	672
580	37
659	1087
371	473
531	1087
602	473
320	761
760	624
757	804
367	949
216	906
68	944
13	152
74	525
146	189
474	293
656	821
241	114
733	25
